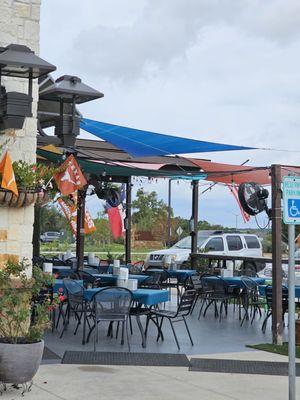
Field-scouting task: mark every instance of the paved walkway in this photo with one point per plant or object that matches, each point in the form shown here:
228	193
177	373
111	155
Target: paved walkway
72	382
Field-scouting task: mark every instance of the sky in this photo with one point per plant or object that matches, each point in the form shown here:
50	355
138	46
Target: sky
215	70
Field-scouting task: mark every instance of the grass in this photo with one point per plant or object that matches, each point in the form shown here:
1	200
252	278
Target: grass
115	249
273	348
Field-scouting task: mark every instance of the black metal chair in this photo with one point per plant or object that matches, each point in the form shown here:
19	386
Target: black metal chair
77	305
45	295
111	305
38	261
218	293
89	281
137	267
250	298
285	304
205	292
155	280
183	310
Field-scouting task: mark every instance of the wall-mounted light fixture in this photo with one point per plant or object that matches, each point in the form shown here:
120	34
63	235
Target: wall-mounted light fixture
69	89
21	62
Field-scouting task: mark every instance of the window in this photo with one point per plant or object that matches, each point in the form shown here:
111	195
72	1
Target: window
215	244
234	243
252	242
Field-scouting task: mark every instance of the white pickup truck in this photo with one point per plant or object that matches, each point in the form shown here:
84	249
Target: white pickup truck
212	242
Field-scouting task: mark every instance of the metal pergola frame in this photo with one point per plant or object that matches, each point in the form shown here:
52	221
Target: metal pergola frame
173	168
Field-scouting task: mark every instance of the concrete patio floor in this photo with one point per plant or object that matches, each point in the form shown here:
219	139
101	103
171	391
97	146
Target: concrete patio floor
209	335
76	382
212	339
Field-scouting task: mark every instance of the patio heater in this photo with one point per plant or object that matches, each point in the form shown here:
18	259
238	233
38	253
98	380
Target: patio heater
70	90
20	62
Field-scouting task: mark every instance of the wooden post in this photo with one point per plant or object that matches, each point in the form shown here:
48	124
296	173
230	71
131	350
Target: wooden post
169	214
194	232
80	228
36	231
128	221
277	325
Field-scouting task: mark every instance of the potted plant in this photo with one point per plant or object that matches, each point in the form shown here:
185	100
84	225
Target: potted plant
22	322
33	182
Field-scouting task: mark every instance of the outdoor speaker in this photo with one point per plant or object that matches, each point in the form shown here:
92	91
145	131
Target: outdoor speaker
14	108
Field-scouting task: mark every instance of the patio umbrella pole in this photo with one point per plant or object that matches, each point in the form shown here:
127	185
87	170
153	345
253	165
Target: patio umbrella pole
194	231
128	221
169	213
80	228
36	230
277	325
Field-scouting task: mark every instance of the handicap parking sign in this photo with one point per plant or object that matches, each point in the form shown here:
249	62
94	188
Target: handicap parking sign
291	199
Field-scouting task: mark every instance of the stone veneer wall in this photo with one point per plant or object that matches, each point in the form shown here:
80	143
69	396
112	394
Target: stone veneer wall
19	23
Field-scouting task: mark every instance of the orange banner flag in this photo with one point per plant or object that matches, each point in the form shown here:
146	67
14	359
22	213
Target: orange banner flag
8	175
71	178
70	211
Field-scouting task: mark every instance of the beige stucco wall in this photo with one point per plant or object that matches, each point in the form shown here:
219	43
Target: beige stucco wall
19	23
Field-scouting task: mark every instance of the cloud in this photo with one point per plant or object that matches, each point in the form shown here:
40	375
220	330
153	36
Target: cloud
164	31
216	70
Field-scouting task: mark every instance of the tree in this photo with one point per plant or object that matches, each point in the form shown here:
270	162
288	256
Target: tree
102	236
51	219
149	210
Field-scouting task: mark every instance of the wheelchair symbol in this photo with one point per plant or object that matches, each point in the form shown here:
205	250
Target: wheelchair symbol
293	209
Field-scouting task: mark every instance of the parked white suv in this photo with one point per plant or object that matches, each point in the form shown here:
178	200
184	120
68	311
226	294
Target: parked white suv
212	242
49	237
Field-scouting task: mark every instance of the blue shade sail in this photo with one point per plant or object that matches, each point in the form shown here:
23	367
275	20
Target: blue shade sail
140	143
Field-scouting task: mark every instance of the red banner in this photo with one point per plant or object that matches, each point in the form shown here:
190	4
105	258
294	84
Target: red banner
234	191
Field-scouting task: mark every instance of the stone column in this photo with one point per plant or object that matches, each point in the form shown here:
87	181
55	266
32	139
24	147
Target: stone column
19	23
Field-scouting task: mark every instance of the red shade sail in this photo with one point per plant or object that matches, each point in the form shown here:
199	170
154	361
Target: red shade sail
227	173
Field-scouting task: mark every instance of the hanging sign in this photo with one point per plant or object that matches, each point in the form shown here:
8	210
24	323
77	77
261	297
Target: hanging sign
291	200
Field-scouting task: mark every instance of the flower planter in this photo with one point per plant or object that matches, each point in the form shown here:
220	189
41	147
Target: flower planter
19	363
25	197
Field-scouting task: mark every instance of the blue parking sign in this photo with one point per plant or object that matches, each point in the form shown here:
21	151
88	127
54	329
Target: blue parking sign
294	208
291	199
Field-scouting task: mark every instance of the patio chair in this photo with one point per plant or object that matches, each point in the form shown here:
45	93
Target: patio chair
285	304
218	292
180	283
250	298
111	305
102	267
77	305
45	294
183	310
195	282
89	281
137	267
38	261
205	292
155	280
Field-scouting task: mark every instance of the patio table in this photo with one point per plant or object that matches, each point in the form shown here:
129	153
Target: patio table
262	290
234	281
112	279
176	273
146	297
64	270
59	284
